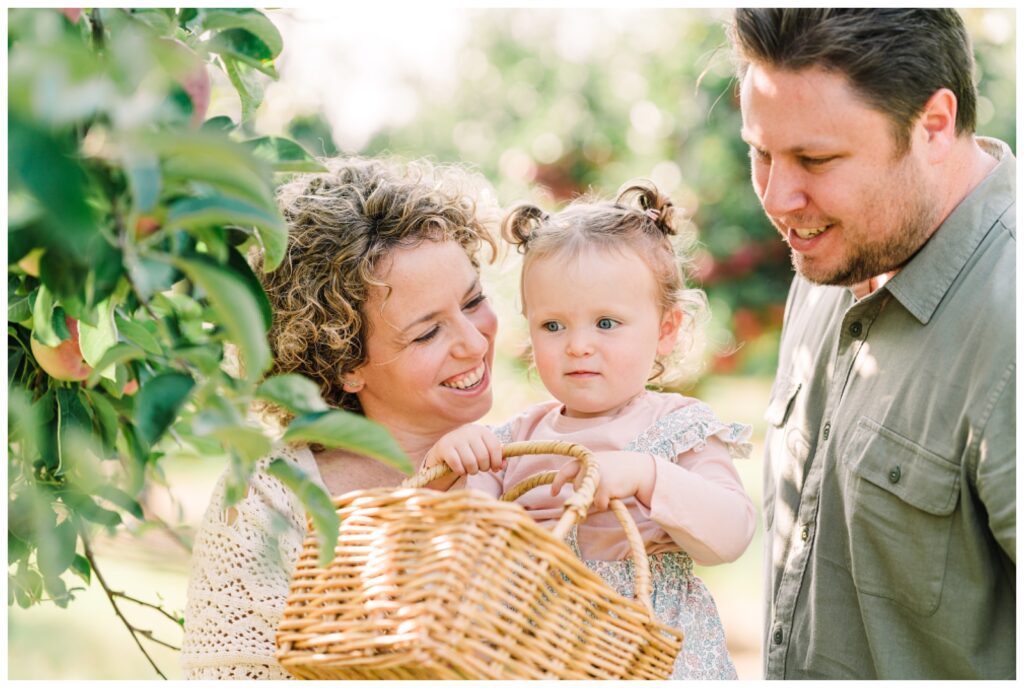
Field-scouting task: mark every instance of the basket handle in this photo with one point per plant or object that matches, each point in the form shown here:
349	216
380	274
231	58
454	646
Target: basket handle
576	506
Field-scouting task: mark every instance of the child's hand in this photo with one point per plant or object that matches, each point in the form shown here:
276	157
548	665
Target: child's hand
623	474
467	451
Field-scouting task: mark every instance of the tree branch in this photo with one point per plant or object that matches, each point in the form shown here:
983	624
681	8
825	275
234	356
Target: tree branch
113	603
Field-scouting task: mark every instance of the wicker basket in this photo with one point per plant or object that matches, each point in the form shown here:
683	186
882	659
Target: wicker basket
459	585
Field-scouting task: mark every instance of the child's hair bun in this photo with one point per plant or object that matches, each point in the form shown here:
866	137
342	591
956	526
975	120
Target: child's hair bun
520	223
642	195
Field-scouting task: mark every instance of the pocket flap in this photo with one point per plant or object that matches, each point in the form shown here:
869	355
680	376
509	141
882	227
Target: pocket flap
901	467
783	393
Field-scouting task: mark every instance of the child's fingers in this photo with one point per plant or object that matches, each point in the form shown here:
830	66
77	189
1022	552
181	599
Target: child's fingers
468	458
494	451
481	453
565	474
450	457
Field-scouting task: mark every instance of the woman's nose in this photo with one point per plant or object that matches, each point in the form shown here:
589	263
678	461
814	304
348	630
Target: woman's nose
473	342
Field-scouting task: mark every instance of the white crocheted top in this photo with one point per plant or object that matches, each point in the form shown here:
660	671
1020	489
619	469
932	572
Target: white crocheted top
242	561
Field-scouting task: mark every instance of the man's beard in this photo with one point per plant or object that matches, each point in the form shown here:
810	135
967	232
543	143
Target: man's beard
874	256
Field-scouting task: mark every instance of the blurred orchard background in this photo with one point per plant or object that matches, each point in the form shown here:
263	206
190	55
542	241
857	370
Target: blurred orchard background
546	104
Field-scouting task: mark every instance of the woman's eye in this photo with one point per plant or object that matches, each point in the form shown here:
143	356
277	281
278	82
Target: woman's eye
606	324
475	301
552	326
428	336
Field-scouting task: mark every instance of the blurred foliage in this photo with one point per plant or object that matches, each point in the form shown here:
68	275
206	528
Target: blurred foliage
129	216
553	103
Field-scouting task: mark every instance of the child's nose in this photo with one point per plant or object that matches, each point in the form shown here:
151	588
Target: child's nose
579	346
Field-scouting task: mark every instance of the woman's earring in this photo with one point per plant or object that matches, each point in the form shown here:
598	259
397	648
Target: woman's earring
352	386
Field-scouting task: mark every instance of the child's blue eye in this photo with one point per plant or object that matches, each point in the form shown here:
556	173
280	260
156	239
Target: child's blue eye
606	324
552	326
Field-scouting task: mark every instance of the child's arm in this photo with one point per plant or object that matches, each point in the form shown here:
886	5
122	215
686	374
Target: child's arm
467	451
700	502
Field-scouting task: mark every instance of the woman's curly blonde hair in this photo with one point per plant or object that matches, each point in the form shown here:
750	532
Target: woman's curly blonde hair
341	224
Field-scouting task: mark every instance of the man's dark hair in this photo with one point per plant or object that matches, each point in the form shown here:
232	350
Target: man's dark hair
895	58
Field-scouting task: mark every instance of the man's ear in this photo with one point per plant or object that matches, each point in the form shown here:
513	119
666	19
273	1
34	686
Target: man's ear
936	125
669	330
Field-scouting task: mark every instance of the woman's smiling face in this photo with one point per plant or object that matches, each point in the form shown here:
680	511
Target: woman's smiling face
430	343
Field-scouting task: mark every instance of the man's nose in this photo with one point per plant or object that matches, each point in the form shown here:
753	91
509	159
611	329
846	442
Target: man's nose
784	192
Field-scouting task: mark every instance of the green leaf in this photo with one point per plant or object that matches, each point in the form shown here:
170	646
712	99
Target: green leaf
253	21
121	499
297	393
151	276
250	443
56	549
73	424
85	507
284	155
142	169
137	334
317	502
221	124
116	355
245	47
247	82
19	308
212	158
237	262
191	213
81	568
42	318
57	590
105	415
157	403
237	311
96	341
17	548
349	431
43	163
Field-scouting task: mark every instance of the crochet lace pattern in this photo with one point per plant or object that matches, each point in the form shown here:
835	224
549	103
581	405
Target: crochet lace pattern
241	568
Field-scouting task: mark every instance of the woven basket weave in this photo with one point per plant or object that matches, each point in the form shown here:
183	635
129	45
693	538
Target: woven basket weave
459	585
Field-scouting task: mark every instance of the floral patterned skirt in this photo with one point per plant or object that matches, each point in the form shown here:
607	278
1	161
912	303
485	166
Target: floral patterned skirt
680	600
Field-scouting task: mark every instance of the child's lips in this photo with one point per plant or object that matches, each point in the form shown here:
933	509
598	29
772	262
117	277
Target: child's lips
582	373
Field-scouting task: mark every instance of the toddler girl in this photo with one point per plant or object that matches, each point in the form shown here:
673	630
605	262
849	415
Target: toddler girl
604	298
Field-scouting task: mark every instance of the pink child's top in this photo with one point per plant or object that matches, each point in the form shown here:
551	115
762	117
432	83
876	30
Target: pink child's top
698	503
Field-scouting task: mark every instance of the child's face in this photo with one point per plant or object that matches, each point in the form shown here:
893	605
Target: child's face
596	327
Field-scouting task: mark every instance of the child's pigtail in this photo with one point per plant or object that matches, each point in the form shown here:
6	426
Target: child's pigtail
644	196
520	223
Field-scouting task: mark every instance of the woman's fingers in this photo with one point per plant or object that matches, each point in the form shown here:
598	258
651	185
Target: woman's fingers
467	455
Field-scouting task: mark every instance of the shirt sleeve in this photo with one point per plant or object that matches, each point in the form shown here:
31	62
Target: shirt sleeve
700	502
996	468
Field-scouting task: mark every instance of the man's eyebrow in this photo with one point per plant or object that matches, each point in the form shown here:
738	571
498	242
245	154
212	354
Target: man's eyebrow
433	314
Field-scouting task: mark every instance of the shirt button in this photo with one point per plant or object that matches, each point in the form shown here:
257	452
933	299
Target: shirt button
805	533
856	328
894	475
777	636
827	430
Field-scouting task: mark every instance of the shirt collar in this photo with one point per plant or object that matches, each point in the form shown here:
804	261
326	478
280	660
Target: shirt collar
924	281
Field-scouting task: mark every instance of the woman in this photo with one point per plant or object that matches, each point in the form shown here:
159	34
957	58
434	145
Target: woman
379	301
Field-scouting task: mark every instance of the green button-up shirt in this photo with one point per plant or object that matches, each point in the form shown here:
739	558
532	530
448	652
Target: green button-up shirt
890	498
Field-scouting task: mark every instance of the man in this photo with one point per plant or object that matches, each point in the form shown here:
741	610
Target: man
890	501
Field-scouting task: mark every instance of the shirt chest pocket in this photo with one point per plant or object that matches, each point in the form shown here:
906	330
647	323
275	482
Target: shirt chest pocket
900	498
787	443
